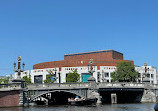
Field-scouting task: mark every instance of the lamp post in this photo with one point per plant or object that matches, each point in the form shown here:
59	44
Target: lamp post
19	68
55	74
59	78
18	79
145	79
103	78
90	68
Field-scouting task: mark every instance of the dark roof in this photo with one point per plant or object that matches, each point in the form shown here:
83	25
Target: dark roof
92	52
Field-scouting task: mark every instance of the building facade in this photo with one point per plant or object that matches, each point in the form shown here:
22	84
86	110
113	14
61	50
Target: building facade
104	63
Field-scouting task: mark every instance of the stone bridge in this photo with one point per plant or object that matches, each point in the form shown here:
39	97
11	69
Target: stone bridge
45	92
53	93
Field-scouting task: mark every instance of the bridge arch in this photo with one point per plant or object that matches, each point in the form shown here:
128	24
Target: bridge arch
54	97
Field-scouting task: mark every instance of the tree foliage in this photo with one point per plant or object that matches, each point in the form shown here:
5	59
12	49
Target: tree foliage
27	79
125	72
4	81
49	76
73	76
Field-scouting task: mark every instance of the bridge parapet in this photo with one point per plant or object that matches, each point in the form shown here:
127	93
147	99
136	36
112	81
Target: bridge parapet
121	84
58	86
86	85
10	86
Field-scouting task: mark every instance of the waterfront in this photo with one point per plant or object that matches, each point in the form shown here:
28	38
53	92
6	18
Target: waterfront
106	107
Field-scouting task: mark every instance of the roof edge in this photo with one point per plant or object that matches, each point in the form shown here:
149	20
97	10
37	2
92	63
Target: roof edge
91	52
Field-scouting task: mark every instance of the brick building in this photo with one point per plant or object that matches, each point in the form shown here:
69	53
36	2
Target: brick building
104	63
100	58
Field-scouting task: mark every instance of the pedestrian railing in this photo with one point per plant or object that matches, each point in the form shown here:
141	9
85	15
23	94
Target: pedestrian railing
10	86
84	85
79	85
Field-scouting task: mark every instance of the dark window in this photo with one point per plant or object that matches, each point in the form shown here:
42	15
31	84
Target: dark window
139	75
98	76
38	79
106	74
151	75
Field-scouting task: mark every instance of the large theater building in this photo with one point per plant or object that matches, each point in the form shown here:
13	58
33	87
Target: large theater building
104	63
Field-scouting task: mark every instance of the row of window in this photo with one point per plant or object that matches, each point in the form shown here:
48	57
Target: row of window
148	75
38	71
109	68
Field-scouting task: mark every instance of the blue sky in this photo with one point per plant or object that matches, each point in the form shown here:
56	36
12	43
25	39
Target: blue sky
45	30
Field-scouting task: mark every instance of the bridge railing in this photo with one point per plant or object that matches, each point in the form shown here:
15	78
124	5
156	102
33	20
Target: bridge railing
10	86
57	85
151	86
155	86
85	85
121	84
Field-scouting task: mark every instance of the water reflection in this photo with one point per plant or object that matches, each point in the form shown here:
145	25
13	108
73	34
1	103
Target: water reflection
106	107
12	109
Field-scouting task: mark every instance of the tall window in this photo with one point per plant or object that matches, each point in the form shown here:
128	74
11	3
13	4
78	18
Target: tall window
98	76
106	74
151	75
38	79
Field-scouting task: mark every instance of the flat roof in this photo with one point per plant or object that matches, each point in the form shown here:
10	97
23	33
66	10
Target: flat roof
110	50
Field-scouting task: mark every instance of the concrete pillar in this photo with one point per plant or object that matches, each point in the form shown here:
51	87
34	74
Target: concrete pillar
113	98
97	95
46	100
94	94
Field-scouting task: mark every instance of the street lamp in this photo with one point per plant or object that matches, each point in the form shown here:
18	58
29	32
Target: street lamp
14	66
145	79
23	65
103	78
18	70
90	68
19	67
59	78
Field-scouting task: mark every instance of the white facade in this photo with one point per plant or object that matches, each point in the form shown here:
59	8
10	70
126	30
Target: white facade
25	73
102	75
151	73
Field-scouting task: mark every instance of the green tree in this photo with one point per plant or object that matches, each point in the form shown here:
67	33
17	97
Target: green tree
49	76
73	76
125	72
27	79
4	81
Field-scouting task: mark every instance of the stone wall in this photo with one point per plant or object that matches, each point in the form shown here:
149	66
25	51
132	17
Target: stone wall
9	98
148	96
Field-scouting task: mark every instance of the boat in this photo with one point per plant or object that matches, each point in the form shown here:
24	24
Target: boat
156	107
83	102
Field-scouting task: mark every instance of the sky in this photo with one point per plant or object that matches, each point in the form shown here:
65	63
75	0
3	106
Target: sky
45	30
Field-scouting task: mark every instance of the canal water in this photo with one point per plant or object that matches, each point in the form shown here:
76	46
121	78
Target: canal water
106	107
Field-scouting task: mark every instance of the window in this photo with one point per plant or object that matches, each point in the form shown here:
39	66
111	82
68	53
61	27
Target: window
106	74
148	75
139	75
38	79
151	75
98	76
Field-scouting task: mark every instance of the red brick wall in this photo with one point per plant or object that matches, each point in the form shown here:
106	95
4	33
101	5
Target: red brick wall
107	58
9	98
117	56
76	63
95	56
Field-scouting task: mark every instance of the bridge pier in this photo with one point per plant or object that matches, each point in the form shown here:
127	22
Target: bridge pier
148	96
113	98
94	94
